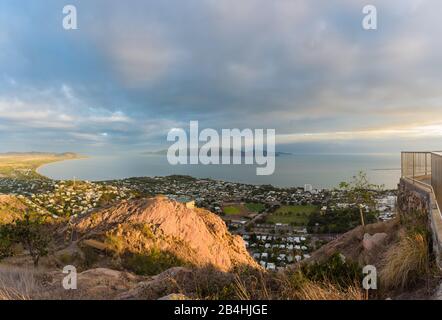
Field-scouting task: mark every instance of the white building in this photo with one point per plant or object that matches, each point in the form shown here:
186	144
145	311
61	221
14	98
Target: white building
271	266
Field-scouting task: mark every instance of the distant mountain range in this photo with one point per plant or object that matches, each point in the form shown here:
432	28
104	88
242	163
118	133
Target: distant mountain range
37	153
164	152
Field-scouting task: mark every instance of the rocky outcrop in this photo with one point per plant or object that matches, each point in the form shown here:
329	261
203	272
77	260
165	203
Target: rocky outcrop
11	208
412	198
195	236
365	245
176	283
372	241
160	285
181	282
92	284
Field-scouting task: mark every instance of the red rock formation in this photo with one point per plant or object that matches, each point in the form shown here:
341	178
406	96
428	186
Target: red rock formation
195	236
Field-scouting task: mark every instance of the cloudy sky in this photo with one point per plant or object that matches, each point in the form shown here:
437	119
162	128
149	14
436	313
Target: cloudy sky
136	69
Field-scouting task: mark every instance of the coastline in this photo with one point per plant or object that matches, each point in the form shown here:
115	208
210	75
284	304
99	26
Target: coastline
290	174
37	170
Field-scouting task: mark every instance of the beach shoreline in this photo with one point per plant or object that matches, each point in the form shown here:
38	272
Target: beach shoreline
37	170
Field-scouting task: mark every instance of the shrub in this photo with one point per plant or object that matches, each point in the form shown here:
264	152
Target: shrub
335	270
28	232
333	279
151	263
91	256
405	262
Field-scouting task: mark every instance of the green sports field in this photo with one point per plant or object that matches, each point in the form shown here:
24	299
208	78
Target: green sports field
242	209
297	215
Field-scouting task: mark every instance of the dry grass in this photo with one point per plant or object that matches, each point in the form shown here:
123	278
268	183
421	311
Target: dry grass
283	286
328	291
297	287
256	287
17	283
405	262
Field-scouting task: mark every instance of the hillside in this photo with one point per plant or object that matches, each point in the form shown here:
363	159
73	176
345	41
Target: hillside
23	165
11	208
149	248
160	228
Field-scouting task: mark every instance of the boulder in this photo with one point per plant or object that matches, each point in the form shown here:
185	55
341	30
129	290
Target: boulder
371	241
174	296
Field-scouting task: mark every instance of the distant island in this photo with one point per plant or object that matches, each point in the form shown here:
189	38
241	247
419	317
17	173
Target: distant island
164	152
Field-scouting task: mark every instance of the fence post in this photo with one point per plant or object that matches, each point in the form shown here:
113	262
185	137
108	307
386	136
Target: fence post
426	154
414	154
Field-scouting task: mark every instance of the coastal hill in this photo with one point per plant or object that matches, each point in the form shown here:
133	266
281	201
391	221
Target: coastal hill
135	249
173	231
22	165
151	248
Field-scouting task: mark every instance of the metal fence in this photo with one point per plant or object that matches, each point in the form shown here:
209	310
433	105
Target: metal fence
415	164
436	176
425	167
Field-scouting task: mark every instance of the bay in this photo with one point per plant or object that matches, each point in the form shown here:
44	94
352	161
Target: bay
319	170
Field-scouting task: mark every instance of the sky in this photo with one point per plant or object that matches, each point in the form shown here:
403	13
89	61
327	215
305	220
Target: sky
133	70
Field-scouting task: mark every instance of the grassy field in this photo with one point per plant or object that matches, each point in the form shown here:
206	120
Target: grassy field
296	215
254	207
242	209
232	210
23	165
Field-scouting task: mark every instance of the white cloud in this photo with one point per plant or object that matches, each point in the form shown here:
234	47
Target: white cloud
112	117
303	67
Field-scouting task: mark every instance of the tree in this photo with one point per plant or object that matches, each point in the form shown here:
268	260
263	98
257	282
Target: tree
6	241
361	192
28	232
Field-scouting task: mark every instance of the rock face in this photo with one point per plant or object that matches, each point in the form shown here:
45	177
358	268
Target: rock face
93	284
412	198
196	236
11	208
178	283
371	241
363	245
160	285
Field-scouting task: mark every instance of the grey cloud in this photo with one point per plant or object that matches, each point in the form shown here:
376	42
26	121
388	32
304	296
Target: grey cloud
134	71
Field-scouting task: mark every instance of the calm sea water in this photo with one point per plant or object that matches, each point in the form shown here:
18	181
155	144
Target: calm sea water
320	170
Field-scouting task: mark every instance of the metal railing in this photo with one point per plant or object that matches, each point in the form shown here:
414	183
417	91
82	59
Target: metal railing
415	164
424	167
436	176
427	174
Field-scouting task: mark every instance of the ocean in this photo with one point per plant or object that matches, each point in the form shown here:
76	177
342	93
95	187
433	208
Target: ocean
319	170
